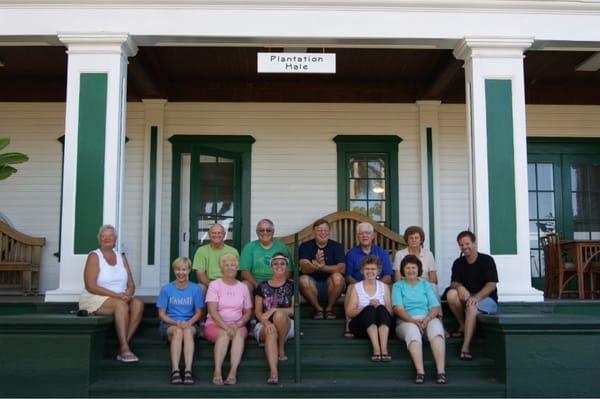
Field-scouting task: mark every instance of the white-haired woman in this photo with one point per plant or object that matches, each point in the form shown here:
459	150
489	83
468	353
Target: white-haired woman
110	289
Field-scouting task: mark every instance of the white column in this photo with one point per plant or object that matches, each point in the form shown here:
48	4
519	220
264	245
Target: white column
498	59
102	53
150	272
429	118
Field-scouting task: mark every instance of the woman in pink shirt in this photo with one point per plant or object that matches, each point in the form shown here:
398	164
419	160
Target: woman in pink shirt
229	309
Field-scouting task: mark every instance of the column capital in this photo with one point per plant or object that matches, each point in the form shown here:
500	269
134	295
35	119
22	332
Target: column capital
428	105
98	43
154	103
492	47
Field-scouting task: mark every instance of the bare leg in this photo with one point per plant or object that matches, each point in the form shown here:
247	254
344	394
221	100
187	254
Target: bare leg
188	346
372	332
416	353
237	349
335	284
383	331
175	335
136	311
270	339
470	321
282	324
309	291
457	307
120	310
438	349
220	350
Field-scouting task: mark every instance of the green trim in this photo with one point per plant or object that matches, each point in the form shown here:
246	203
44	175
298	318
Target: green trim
152	194
501	167
235	147
365	144
431	199
89	185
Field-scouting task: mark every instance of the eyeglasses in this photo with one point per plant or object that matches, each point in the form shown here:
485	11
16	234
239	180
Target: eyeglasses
264	230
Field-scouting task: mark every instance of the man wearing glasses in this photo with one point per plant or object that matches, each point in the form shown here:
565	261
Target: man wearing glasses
255	260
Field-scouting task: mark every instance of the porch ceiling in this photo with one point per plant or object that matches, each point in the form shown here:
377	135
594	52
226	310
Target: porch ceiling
229	74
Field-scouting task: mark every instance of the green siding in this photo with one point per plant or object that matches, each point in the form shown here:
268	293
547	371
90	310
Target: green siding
501	170
431	198
89	185
152	194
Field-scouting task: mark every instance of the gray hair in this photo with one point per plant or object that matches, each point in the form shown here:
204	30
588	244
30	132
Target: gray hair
105	227
261	221
364	226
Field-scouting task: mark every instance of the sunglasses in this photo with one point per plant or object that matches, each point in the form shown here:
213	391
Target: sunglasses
264	230
279	262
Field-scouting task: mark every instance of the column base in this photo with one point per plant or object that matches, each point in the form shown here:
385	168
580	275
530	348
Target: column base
528	295
62	296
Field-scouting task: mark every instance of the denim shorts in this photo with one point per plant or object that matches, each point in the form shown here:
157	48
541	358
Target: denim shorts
322	290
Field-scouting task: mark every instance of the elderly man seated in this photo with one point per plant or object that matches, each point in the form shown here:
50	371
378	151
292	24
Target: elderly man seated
322	266
365	235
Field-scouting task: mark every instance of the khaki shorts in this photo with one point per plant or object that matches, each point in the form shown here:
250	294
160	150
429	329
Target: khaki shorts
409	332
91	302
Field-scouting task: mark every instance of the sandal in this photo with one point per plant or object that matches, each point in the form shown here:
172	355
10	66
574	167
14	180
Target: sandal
420	379
386	357
188	378
457	334
441	378
376	358
217	380
329	315
348	334
127	357
319	315
282	358
466	356
176	377
273	380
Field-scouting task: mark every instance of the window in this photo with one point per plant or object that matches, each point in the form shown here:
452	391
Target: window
368	177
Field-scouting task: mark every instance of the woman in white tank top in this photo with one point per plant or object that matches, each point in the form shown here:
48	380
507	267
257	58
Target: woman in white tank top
369	308
109	290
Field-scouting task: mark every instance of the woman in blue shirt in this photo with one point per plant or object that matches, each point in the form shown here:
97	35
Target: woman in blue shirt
180	306
417	308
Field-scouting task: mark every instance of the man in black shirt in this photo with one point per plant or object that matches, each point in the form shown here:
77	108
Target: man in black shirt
472	289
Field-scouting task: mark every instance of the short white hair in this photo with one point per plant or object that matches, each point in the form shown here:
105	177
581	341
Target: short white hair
364	226
104	228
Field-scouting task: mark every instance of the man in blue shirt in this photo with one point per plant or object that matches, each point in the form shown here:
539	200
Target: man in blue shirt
365	235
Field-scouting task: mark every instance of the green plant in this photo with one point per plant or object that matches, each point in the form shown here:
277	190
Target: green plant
9	158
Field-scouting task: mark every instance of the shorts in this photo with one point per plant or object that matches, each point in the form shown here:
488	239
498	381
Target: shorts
163	327
487	306
91	302
409	332
322	290
259	326
211	331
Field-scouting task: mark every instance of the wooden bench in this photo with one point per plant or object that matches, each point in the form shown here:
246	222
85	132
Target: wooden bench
20	257
343	229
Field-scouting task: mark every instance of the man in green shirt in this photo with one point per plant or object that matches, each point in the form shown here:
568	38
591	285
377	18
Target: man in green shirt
256	255
206	259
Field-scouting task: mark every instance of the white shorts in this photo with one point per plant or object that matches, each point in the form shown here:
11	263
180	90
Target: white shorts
259	326
409	332
91	302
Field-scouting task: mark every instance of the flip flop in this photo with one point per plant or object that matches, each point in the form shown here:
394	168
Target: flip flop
319	315
386	357
282	358
466	356
127	357
376	358
457	334
348	334
329	315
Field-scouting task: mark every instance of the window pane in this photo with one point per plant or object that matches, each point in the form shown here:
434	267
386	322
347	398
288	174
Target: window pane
579	203
208	197
546	205
376	210
531	183
547	226
377	168
545	176
359	206
533	234
358	189
578	177
532	205
536	265
377	189
358	167
595	205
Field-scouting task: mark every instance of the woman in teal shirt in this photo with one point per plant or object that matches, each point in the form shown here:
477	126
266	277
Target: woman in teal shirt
417	308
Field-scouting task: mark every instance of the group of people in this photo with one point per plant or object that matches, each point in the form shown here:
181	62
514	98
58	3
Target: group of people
265	295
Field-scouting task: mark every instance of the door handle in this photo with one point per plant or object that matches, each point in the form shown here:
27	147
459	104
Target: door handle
184	236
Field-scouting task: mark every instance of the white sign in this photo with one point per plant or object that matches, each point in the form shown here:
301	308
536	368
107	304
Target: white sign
295	63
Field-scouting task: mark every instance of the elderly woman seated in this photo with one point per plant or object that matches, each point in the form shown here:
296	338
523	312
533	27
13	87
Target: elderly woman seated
417	308
368	306
229	309
109	290
274	304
